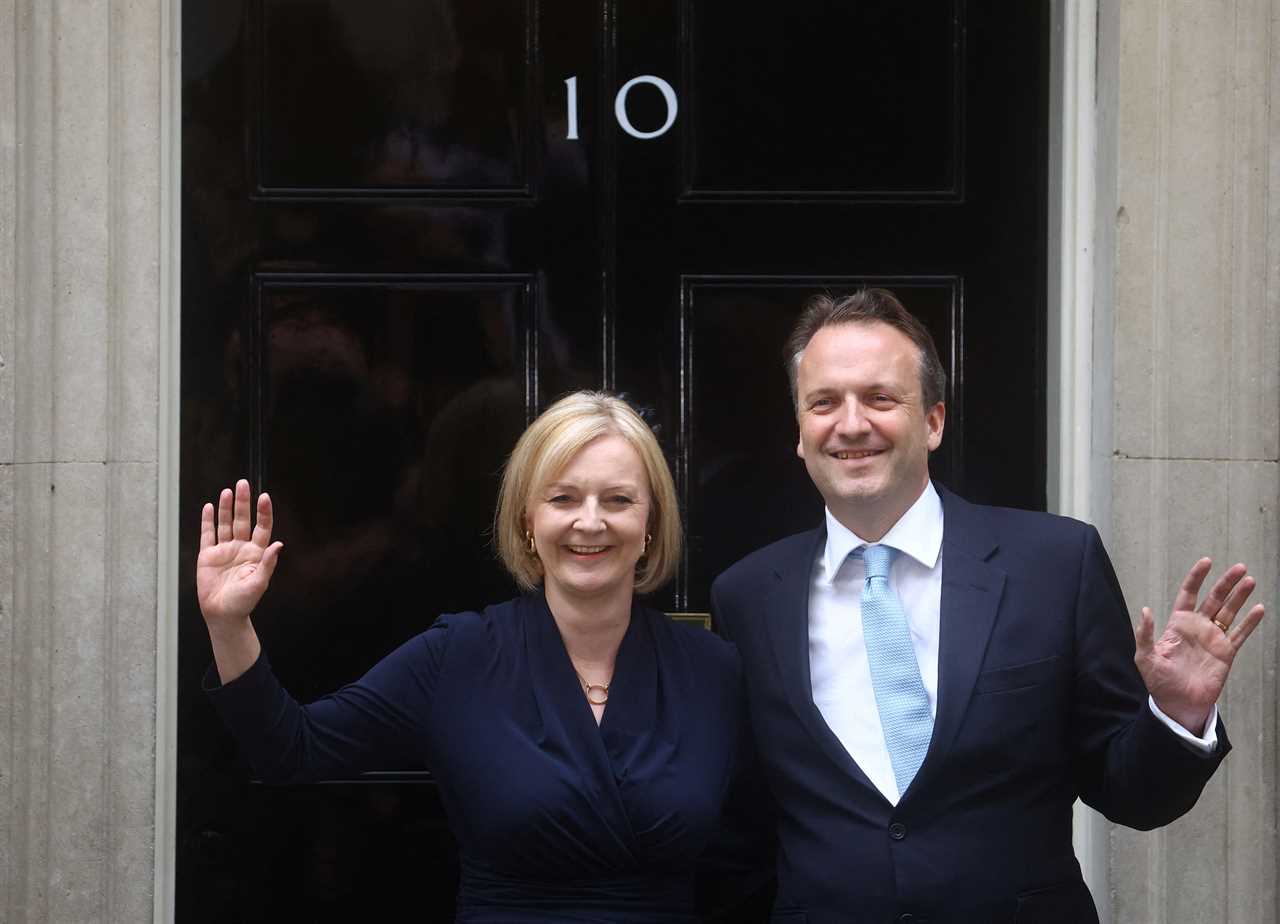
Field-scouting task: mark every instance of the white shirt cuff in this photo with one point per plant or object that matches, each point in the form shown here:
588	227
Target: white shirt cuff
1205	744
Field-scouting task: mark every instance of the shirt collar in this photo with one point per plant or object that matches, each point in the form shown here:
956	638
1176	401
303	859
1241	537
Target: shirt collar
918	533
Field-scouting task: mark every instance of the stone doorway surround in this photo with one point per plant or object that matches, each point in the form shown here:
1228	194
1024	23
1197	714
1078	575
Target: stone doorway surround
1165	411
88	304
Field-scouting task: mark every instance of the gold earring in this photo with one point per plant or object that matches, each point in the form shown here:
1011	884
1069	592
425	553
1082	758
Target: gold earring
647	539
532	547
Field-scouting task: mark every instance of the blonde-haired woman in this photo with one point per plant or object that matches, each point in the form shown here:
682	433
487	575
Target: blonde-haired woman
584	743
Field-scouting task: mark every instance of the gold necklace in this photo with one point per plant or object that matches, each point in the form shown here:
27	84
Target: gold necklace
588	687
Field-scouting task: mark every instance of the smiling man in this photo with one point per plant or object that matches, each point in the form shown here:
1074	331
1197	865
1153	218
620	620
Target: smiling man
933	683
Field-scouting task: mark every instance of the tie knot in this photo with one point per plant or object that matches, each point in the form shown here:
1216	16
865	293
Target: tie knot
878	559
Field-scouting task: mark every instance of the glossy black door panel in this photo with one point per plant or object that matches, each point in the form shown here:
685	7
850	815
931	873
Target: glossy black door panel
982	231
328	854
387	406
395	96
395	254
855	100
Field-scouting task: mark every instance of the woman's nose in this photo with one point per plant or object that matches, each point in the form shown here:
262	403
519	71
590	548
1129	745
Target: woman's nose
589	519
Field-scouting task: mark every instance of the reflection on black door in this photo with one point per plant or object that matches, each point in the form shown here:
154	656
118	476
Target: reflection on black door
394	256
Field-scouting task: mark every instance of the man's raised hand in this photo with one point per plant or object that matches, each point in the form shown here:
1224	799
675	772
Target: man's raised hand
1187	667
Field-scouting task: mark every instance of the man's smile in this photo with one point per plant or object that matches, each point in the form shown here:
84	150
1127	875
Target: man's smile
846	454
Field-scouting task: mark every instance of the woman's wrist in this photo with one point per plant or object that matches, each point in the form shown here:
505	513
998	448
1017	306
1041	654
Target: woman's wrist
235	648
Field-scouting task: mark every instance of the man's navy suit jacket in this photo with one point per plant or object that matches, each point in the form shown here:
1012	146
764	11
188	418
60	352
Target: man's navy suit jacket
1039	702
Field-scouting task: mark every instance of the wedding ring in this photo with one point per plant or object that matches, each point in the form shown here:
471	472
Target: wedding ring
1220	624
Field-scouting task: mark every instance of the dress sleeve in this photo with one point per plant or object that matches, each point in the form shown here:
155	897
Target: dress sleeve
380	720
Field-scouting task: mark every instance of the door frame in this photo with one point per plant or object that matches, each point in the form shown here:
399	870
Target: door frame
1079	379
169	381
1078	352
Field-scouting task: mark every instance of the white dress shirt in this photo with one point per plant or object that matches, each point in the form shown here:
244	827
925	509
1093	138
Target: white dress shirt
838	666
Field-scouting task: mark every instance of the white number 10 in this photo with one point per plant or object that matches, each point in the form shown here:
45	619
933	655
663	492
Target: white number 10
620	106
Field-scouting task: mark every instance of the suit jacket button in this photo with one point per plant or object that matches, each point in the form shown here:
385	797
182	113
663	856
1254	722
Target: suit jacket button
906	919
897	830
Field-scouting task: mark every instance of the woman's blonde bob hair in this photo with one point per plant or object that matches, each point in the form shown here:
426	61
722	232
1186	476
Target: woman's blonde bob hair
546	447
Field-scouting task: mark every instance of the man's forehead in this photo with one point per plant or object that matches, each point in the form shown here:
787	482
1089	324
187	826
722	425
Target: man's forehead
859	343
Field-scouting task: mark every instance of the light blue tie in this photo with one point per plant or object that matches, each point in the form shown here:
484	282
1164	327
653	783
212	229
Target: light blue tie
895	675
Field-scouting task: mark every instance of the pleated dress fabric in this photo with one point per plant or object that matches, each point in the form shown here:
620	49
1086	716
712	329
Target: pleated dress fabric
557	819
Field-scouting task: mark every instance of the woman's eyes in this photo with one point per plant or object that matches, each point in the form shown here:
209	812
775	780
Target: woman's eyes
617	499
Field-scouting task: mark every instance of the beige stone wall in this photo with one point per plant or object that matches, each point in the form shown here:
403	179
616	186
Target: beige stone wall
1187	342
80	125
1193	147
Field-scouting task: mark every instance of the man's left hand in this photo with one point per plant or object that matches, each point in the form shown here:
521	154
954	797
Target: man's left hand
1186	668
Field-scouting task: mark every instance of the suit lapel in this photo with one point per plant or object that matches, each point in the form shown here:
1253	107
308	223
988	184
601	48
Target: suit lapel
787	616
971	590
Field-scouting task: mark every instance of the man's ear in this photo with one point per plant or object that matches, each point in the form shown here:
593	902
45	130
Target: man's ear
935	419
800	446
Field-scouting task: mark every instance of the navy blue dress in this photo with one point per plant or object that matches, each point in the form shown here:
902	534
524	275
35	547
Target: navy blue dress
557	819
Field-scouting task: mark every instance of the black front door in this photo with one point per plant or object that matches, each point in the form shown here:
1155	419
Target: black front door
408	225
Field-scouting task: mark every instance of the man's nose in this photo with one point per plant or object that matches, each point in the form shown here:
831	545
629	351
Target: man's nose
852	419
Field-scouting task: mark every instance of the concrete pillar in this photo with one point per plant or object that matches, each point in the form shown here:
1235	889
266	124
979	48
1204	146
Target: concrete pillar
1192	152
80	220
